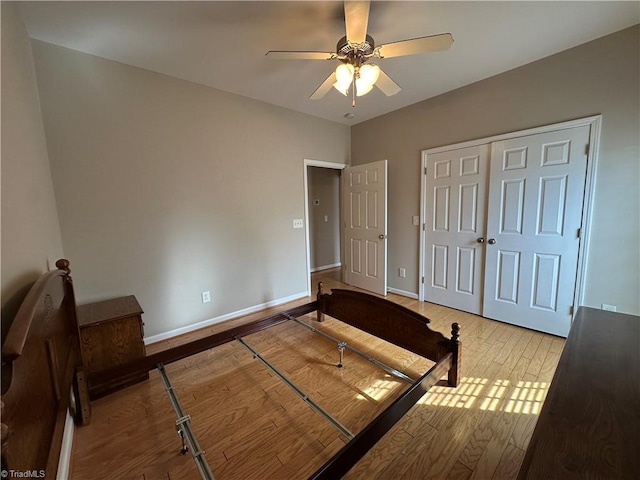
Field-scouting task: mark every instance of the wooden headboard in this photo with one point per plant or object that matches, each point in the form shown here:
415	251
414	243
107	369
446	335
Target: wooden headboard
40	364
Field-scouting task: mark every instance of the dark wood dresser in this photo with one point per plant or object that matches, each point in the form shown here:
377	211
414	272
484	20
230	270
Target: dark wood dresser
589	426
111	334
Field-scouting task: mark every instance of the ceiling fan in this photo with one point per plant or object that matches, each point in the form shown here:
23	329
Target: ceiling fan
354	51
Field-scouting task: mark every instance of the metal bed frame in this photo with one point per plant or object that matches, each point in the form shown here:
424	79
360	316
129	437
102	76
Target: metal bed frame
371	314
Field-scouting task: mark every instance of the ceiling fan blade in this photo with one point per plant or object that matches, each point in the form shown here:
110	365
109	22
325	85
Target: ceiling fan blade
322	90
388	86
356	19
289	55
433	43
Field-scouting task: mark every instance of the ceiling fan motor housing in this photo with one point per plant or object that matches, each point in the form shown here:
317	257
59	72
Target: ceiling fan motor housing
355	53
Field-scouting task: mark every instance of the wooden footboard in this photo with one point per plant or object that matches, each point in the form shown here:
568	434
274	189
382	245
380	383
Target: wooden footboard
393	323
400	326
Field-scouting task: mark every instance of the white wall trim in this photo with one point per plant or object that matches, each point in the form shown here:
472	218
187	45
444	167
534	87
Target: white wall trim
423	220
313	163
587	204
580	122
326	267
403	293
212	321
595	124
64	461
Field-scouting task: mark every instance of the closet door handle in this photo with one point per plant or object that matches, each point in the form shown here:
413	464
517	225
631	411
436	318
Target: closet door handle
480	240
491	241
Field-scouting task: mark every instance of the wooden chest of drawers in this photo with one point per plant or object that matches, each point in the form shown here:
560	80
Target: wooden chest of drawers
589	426
111	334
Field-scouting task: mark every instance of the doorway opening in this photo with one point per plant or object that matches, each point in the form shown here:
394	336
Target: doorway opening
323	216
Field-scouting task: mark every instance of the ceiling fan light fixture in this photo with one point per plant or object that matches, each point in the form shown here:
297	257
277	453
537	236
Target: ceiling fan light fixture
366	78
344	77
343	88
369	73
362	88
344	73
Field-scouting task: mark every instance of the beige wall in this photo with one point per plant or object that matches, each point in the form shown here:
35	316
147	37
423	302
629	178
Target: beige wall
600	77
324	235
167	189
30	229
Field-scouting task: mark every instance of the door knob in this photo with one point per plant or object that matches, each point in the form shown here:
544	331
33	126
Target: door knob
480	240
491	241
382	237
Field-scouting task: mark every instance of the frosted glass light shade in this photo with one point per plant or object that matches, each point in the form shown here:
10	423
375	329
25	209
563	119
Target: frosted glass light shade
366	78
362	88
344	77
344	73
369	73
342	88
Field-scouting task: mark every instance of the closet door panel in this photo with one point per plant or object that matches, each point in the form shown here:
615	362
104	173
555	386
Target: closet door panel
535	199
455	206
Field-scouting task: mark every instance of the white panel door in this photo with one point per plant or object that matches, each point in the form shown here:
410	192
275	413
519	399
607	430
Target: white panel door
535	203
455	222
365	194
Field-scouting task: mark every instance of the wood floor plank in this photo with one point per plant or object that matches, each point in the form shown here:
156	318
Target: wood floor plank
459	472
381	455
538	359
509	463
423	439
532	346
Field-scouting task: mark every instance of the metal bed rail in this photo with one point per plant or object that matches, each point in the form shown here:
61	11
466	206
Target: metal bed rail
183	427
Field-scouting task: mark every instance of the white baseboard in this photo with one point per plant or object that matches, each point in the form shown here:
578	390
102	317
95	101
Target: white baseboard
65	450
212	321
403	293
326	267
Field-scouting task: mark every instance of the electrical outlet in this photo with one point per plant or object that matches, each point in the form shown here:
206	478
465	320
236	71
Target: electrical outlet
206	297
402	273
298	223
608	308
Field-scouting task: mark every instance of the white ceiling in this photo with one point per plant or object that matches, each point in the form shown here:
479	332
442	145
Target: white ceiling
223	44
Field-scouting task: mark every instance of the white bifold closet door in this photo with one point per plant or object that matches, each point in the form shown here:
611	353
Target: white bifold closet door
455	220
521	239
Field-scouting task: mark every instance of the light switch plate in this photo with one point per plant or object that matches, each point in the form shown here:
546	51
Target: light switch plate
298	223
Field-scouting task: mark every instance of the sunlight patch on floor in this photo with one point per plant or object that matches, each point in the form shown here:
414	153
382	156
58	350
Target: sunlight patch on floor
499	395
379	390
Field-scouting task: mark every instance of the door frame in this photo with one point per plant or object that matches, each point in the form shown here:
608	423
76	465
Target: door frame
316	163
595	122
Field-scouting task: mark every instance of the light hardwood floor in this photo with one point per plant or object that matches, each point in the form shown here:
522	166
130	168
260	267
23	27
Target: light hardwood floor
252	426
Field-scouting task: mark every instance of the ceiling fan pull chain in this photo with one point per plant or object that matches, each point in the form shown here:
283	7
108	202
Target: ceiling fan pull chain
353	92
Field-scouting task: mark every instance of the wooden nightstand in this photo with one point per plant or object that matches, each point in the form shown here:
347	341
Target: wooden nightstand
111	334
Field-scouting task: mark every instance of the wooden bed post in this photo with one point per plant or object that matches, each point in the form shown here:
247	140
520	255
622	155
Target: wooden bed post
63	264
456	348
5	436
82	413
319	312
